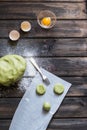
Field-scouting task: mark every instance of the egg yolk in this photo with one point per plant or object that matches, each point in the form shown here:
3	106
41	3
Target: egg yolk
46	21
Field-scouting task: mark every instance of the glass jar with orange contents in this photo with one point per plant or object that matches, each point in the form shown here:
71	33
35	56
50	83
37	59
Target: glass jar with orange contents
46	19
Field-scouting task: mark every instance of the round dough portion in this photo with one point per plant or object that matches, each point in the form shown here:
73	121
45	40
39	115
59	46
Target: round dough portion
40	90
58	89
12	68
46	106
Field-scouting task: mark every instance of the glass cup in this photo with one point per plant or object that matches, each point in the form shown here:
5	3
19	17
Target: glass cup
46	14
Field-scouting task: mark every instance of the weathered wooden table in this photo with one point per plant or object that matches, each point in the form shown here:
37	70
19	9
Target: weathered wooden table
62	50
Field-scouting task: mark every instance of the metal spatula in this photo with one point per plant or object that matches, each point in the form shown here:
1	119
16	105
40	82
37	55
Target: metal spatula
45	79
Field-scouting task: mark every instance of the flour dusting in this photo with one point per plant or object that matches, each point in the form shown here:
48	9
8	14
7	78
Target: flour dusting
24	84
30	70
30	73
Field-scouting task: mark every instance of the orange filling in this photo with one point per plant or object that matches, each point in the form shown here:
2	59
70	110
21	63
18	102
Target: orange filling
46	21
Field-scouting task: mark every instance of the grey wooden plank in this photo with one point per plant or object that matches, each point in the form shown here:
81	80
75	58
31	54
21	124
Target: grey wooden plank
68	124
42	1
45	47
56	124
23	10
64	66
72	107
63	28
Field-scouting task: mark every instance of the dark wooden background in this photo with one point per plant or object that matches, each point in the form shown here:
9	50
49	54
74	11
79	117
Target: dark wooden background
62	50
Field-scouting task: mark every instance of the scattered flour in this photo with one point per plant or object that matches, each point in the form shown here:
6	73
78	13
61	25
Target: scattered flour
29	74
30	70
24	84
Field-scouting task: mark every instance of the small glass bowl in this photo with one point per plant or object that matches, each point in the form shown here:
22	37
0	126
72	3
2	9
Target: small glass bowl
25	26
46	13
14	35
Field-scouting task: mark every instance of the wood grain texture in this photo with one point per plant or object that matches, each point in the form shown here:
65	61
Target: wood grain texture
61	124
4	124
62	66
71	107
68	124
61	50
45	47
42	1
63	28
26	10
78	88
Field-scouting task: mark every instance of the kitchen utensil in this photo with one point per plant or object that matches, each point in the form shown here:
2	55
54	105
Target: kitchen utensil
45	79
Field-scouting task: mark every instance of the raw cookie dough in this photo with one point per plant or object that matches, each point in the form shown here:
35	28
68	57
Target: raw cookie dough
40	90
58	89
46	106
12	68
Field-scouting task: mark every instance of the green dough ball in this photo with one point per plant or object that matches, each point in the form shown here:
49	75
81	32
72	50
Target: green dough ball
12	68
40	89
46	106
58	89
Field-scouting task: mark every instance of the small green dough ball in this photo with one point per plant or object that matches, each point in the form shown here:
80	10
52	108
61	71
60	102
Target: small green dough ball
58	89
46	106
40	90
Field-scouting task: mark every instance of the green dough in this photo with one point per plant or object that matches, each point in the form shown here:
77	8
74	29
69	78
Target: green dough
12	68
58	89
46	106
40	89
